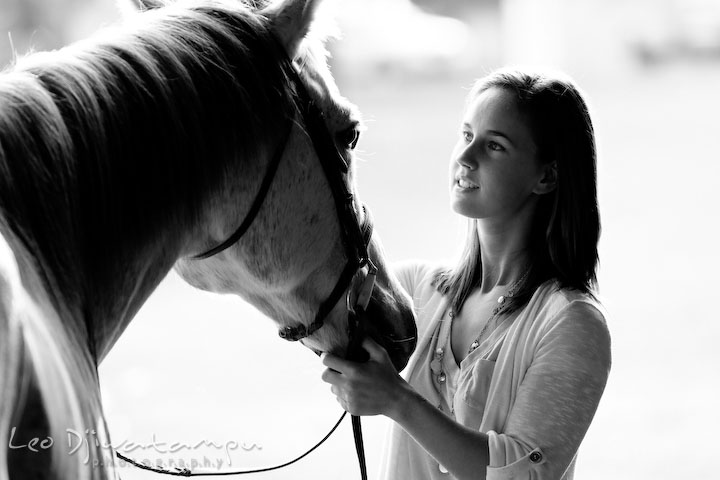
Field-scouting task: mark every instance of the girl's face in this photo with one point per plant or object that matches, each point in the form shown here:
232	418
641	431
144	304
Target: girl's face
494	172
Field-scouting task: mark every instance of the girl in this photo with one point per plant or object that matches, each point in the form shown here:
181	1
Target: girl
514	352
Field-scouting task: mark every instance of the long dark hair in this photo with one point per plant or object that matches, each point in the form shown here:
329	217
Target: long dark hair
566	225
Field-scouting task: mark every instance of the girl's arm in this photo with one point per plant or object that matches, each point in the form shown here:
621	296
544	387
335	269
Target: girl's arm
551	411
375	388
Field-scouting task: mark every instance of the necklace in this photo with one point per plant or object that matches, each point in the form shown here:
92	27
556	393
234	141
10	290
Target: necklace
436	363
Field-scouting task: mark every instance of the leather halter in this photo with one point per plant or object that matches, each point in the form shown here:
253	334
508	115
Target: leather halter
355	238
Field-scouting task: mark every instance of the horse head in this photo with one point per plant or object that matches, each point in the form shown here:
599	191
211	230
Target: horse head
144	147
293	256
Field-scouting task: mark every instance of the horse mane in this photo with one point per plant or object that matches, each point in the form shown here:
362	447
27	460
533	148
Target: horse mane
104	146
107	142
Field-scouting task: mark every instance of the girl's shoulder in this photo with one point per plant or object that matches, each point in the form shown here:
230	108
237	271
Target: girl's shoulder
557	299
553	308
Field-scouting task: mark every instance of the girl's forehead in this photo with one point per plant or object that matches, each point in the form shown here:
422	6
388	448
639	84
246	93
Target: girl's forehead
497	110
494	102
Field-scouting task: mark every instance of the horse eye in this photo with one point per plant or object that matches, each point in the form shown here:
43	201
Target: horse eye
349	137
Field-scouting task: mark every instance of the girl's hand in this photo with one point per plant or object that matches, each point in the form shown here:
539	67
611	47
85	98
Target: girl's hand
370	388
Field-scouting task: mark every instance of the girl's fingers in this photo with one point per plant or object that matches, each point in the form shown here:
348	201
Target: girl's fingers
374	349
331	376
338	396
334	362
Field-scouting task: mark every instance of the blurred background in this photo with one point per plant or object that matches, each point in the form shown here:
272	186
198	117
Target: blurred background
208	374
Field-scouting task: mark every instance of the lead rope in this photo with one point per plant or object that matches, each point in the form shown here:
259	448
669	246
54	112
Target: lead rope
356	353
356	333
185	472
359	447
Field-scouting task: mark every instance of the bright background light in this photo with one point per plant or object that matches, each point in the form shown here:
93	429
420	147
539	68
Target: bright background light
199	367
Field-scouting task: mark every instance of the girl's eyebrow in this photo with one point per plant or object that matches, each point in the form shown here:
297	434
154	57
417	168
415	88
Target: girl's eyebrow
501	134
496	133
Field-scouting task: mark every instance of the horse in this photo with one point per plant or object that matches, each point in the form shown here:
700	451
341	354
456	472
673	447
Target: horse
140	150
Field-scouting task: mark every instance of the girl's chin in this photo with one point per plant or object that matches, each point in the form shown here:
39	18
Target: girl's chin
464	208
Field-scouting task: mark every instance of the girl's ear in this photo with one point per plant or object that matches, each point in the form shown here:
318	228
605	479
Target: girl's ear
290	20
548	182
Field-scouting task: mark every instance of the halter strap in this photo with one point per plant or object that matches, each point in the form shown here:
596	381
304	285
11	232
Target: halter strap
355	238
259	198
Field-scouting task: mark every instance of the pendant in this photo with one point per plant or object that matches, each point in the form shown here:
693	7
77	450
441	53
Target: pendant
436	366
436	363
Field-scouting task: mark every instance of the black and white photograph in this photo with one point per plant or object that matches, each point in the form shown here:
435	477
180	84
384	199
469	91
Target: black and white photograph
359	239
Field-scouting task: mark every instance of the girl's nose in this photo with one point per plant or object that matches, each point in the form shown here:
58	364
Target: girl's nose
466	159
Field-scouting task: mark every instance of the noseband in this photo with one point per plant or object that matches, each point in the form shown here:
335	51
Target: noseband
355	237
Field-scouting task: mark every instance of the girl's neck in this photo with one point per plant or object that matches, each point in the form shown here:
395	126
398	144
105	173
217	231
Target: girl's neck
504	253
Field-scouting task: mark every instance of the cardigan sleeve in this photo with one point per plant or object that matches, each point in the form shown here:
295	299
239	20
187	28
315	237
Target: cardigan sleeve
417	278
556	399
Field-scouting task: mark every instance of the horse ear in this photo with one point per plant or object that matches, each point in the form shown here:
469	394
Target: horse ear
290	20
143	5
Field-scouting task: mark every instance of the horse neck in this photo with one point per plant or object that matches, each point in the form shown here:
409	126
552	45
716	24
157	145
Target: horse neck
126	284
97	301
87	244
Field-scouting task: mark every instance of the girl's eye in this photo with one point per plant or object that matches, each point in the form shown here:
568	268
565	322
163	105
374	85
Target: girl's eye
495	146
349	137
467	136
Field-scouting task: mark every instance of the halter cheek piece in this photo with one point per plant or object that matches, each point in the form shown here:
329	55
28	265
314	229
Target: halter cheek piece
360	270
